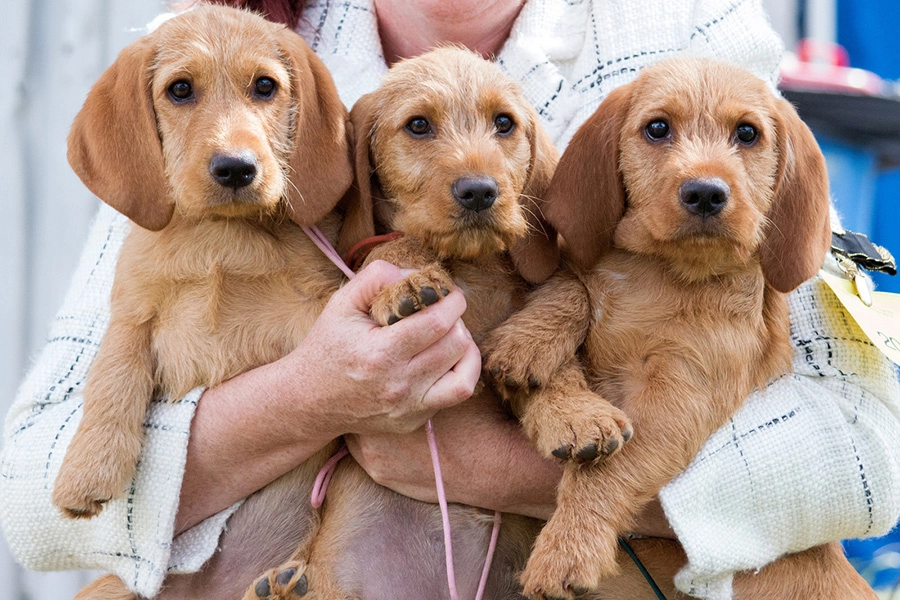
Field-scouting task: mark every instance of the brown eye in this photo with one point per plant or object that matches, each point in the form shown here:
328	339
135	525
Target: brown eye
181	91
746	134
504	124
418	126
265	87
657	130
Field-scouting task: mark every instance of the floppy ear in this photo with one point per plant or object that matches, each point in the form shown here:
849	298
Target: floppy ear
359	220
586	198
799	230
114	144
320	168
536	256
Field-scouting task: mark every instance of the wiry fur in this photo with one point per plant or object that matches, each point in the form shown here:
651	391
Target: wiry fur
374	543
213	279
684	313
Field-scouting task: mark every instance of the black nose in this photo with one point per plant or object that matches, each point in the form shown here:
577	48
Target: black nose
704	197
233	170
475	193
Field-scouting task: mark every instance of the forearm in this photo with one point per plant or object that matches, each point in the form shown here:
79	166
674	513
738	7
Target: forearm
242	438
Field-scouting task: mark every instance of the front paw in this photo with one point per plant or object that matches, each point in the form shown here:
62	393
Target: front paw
82	495
583	427
568	561
287	582
410	295
515	362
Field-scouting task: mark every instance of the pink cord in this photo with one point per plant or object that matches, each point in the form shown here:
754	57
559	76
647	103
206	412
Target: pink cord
321	484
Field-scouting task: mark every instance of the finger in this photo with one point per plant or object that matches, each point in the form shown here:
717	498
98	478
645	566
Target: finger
421	330
359	293
457	384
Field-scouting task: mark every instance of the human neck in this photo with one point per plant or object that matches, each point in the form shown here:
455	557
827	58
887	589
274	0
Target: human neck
411	27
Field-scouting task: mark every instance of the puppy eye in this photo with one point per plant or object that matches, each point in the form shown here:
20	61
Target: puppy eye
657	130
418	126
504	124
746	134
264	87
181	91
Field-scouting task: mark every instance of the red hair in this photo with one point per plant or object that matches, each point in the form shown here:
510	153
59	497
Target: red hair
280	11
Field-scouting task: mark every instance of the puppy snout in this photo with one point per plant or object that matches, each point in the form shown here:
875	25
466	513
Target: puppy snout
475	193
704	197
233	170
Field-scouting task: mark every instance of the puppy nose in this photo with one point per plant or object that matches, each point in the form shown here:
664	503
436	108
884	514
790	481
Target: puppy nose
233	170
704	197
475	193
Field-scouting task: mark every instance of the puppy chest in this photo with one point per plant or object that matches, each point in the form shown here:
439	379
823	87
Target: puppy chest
210	330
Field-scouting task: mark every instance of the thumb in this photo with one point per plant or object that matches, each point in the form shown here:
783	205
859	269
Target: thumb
362	289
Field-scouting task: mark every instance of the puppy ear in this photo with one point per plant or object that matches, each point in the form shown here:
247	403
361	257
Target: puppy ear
536	256
586	198
320	167
799	230
114	144
359	220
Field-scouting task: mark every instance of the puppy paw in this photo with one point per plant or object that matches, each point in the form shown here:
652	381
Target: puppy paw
81	493
584	428
565	564
410	295
515	363
287	582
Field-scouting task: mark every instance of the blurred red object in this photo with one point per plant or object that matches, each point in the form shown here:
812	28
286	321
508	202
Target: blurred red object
820	65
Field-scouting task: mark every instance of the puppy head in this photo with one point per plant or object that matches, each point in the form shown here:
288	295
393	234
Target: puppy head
216	113
698	163
452	152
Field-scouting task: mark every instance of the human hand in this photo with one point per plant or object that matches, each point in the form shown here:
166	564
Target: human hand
385	379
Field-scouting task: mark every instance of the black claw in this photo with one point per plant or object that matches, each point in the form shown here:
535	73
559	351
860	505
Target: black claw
302	586
561	453
428	296
626	435
262	588
285	576
407	306
444	291
611	445
534	382
510	382
589	452
393	319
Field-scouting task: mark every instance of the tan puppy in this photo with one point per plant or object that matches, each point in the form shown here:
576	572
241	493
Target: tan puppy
450	153
692	201
217	134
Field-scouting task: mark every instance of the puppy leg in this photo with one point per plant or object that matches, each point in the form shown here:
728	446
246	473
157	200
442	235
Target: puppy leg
822	572
102	456
108	587
525	351
566	420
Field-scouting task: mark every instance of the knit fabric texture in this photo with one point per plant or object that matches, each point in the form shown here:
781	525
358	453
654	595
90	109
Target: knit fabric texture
810	459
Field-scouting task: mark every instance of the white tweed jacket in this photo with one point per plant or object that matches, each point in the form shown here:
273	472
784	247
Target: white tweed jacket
810	459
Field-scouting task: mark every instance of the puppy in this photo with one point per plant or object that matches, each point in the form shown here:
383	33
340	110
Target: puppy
450	153
691	202
218	135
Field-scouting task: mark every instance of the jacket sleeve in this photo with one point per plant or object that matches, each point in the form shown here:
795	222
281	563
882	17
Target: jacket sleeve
810	459
132	537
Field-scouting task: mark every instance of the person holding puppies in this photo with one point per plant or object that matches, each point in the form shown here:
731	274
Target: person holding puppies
833	422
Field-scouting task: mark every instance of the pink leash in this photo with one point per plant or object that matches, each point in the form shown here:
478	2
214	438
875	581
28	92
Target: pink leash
321	484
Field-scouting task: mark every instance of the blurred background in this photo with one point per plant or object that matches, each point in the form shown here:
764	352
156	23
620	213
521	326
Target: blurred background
841	70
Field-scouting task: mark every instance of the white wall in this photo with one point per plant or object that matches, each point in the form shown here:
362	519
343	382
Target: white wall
51	51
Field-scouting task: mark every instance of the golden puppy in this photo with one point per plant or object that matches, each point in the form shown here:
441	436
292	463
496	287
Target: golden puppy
691	202
217	135
449	152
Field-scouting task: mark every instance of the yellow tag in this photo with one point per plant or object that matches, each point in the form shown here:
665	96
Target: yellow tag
880	321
